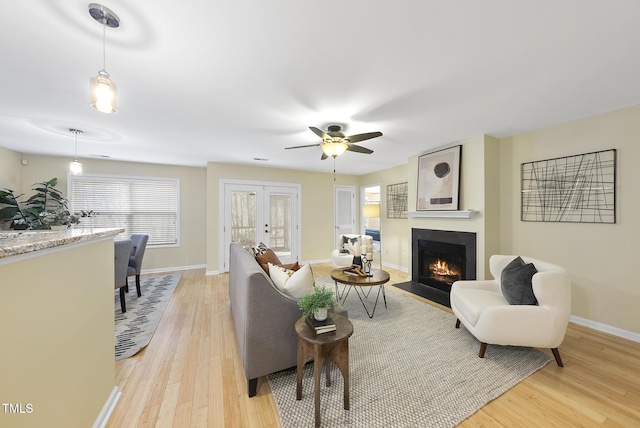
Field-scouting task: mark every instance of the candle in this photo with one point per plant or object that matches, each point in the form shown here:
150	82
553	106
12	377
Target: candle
363	249
369	256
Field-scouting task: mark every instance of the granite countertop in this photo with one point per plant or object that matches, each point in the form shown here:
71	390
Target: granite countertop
13	243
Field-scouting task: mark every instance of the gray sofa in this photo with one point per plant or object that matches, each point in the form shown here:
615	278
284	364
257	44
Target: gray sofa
264	319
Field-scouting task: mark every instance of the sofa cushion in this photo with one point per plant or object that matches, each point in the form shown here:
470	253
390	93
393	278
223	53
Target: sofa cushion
293	283
268	257
259	249
292	266
515	282
473	302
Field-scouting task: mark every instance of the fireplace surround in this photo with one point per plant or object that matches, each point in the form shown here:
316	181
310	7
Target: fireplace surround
438	259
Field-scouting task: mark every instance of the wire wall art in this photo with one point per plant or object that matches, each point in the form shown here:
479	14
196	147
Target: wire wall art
397	200
572	189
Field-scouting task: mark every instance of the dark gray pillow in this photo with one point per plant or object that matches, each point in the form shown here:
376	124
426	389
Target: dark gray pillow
515	282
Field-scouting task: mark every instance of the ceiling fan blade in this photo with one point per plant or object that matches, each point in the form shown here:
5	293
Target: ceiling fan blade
362	137
324	156
319	132
301	147
359	149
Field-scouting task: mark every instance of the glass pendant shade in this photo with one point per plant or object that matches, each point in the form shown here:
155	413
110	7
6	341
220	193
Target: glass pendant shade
104	93
334	149
75	167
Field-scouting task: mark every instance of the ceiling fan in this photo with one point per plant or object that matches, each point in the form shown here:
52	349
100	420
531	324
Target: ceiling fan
334	143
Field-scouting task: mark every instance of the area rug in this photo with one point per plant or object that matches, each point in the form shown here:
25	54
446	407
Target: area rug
409	367
135	327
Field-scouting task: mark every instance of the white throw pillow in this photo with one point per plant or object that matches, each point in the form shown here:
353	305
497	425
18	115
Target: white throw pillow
279	276
295	285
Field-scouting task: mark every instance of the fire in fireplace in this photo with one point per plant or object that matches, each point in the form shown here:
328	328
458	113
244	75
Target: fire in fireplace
439	270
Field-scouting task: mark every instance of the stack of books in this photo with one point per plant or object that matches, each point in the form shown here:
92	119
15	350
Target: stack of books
320	327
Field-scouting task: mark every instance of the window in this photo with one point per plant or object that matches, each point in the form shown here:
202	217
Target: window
140	205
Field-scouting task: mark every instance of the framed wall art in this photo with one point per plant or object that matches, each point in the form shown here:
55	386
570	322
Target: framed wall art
397	200
573	189
439	180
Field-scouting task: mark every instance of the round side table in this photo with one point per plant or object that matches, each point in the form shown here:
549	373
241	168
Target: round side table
333	346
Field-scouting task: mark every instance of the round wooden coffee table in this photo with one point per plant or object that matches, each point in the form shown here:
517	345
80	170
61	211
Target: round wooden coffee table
333	346
378	277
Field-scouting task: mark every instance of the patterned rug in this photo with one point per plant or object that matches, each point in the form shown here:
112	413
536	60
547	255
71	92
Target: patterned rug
409	366
135	327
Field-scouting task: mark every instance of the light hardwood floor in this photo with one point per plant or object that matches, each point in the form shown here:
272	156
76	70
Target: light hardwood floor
190	375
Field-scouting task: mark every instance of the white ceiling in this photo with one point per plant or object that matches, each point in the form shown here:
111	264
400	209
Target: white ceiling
203	80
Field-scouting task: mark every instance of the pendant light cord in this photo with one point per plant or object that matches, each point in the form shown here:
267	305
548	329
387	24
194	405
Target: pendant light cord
334	168
104	43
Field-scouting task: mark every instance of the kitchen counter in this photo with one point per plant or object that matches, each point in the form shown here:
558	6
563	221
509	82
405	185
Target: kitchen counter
13	243
57	314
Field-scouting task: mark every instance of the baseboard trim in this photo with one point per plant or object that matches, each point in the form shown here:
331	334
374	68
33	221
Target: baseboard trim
173	269
212	272
312	262
396	267
615	331
107	409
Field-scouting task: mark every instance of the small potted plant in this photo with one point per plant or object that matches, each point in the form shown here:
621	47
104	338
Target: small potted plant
318	303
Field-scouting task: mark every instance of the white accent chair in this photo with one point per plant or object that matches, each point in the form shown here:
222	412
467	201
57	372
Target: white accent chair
483	310
349	246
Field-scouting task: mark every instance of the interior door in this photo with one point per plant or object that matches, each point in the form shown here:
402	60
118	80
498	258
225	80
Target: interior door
344	211
256	213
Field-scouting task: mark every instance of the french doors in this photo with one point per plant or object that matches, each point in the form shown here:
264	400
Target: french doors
262	212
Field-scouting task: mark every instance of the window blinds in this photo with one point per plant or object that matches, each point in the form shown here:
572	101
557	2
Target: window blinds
146	206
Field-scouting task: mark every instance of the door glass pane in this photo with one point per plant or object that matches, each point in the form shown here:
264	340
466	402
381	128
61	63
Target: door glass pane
372	224
280	224
243	218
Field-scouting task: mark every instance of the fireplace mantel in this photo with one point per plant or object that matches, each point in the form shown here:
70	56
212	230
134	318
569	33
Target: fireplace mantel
443	214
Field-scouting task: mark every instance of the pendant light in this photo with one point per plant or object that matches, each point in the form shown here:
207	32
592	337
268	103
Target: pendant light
104	92
75	167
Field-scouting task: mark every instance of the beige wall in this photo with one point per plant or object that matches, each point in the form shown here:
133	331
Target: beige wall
191	251
317	205
56	313
395	234
599	257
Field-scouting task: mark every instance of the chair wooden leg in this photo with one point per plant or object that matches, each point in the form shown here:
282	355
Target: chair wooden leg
123	305
483	347
556	354
457	323
138	285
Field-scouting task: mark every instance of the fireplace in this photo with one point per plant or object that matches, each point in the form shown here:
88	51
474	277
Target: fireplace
440	264
439	258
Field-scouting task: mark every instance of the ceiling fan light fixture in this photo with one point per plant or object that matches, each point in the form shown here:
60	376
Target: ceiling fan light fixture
334	149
